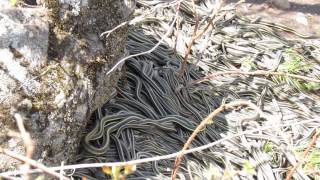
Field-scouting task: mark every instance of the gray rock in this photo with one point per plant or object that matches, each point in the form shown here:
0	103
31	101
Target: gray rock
281	4
23	44
53	68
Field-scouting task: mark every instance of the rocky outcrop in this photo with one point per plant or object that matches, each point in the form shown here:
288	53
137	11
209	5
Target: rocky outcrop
53	66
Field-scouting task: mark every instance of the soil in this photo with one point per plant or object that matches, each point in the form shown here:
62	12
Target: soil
303	15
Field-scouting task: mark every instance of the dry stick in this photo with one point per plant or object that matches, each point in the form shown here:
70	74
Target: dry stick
61	171
305	153
26	139
121	61
254	73
196	27
9	178
177	29
195	36
213	20
24	135
157	158
131	22
177	36
31	162
208	120
316	172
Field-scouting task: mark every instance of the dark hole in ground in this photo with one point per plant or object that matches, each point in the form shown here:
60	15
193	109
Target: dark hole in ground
31	2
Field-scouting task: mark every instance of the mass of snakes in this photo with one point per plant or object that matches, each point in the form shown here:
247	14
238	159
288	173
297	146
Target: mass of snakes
155	109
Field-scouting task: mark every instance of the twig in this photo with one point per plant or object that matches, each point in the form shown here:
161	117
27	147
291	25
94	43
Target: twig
26	139
130	22
107	33
195	36
206	121
61	171
254	73
24	135
316	172
31	162
121	61
10	178
196	27
130	10
177	36
157	158
305	154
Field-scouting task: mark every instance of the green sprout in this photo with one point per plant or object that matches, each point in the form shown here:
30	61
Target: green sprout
14	2
248	63
295	64
312	161
268	148
118	172
249	168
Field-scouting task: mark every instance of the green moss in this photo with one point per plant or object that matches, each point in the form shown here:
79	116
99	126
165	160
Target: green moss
55	80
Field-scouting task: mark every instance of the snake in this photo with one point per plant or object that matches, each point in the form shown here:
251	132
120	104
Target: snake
140	109
155	109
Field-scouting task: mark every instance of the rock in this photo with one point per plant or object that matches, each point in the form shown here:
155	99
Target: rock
281	4
302	19
23	48
23	44
53	68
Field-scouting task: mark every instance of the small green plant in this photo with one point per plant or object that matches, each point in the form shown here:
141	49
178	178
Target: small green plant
312	161
14	2
118	172
248	63
296	64
249	168
268	147
212	172
312	86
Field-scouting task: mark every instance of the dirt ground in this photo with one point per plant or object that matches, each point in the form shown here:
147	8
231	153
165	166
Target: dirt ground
303	15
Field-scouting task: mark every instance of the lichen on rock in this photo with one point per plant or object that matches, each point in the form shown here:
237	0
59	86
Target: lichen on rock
60	68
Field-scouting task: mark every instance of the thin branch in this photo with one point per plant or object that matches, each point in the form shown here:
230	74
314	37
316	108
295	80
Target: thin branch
31	162
10	178
107	33
177	35
157	158
208	120
121	61
26	139
24	135
196	27
254	73
195	36
133	21
315	172
130	9
61	171
305	154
